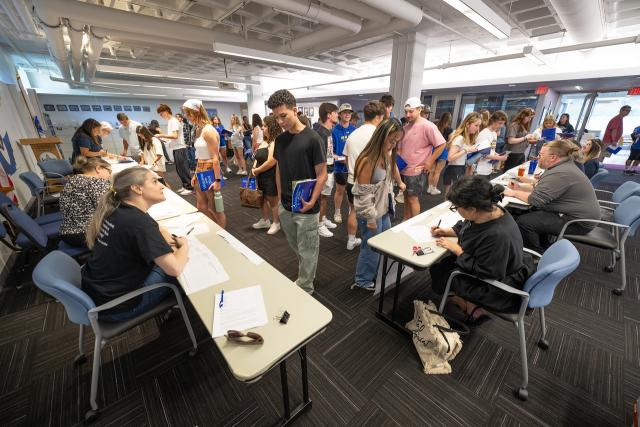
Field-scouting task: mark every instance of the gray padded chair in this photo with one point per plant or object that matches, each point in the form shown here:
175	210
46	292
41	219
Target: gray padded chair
626	190
58	275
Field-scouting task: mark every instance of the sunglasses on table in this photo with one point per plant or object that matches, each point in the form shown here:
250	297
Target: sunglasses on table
249	338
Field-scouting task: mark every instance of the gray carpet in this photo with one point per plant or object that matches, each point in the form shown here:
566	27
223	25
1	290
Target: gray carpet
362	372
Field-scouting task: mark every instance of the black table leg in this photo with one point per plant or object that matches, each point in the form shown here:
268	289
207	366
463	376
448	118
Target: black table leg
289	416
285	389
396	291
383	284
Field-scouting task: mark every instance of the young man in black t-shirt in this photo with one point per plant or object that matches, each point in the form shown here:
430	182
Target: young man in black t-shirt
328	118
299	155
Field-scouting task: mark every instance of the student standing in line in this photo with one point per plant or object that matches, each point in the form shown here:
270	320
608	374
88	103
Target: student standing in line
372	190
256	134
589	153
130	251
328	118
389	102
485	115
421	145
187	136
127	132
356	142
265	172
177	147
79	198
299	156
461	142
518	136
613	133
340	133
85	140
355	119
152	154
237	142
245	123
488	138
222	133
105	131
444	126
207	145
634	154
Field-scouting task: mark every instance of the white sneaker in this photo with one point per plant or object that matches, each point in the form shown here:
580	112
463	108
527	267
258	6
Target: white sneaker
275	227
263	223
433	191
368	287
185	192
241	172
351	244
228	169
324	231
327	223
337	217
400	197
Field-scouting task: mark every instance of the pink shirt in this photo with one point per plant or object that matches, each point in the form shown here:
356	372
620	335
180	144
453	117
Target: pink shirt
419	141
614	131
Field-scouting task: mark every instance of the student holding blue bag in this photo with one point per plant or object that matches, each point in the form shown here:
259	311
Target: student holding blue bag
461	142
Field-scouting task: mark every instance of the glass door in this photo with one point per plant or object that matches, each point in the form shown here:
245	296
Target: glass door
442	104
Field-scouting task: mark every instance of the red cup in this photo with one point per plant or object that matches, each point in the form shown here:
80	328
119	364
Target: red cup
521	171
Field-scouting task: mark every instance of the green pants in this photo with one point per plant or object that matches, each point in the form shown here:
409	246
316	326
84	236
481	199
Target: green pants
302	234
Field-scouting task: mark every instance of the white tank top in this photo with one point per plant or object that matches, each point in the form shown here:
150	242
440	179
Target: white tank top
201	146
260	134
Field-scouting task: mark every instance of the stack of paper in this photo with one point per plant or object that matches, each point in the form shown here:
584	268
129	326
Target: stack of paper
202	270
240	247
420	233
241	309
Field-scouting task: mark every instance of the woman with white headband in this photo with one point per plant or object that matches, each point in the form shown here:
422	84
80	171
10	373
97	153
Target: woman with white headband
207	147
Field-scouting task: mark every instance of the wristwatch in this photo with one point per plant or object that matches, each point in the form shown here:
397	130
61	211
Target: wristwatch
218	180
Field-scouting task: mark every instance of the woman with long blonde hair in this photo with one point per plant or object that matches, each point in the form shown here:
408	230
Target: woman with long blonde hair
461	141
444	126
207	146
518	136
151	153
237	142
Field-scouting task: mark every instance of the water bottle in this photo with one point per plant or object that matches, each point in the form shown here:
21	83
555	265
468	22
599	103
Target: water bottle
217	201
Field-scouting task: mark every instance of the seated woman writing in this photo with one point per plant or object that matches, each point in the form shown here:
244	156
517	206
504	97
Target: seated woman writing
489	246
130	250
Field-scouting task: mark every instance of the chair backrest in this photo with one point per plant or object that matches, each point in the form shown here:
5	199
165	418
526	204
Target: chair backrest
4	199
557	262
25	224
58	275
56	167
626	190
628	213
33	181
599	176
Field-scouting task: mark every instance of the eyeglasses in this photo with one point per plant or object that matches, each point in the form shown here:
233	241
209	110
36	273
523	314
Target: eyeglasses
250	338
453	208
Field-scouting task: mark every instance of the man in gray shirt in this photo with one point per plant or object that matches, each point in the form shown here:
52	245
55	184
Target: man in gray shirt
563	193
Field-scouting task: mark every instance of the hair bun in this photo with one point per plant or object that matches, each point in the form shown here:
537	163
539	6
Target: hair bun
496	193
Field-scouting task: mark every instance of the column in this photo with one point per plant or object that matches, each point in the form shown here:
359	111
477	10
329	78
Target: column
407	67
255	99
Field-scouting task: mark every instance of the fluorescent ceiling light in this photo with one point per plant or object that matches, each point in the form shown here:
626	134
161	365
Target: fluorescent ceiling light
189	78
511	85
112	93
579	87
533	54
481	14
224	49
148	94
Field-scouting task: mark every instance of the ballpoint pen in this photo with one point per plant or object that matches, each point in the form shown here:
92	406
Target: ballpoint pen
190	230
221	303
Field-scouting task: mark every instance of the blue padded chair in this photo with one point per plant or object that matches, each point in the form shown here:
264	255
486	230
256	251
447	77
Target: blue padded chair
39	190
599	176
626	190
626	219
42	219
59	275
558	261
55	168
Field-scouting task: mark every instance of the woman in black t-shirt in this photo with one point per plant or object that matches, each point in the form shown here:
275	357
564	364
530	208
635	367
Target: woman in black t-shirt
129	248
489	246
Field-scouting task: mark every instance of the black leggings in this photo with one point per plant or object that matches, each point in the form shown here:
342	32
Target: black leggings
182	167
79	240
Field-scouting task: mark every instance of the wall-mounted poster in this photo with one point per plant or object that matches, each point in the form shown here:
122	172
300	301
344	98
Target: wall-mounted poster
96	108
73	107
117	108
137	108
61	107
305	111
301	110
127	107
85	107
146	108
49	107
107	108
311	111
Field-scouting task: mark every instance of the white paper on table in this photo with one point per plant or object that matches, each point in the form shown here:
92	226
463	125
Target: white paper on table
192	230
202	270
419	233
163	210
240	247
182	220
410	222
447	220
242	309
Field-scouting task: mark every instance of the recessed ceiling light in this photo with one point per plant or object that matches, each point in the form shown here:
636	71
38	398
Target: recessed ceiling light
512	85
579	87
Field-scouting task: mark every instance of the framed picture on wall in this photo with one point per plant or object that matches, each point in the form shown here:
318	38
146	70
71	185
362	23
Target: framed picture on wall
117	108
301	110
127	107
85	107
73	107
306	111
49	107
137	108
96	108
107	108
61	107
146	108
311	111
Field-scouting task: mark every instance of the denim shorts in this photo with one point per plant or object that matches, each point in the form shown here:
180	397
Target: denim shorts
415	184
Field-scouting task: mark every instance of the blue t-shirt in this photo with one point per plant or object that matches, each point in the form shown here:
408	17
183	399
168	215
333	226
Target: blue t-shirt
636	139
83	140
339	136
221	131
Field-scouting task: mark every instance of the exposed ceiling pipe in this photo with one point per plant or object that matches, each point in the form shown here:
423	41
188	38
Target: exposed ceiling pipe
312	11
400	9
453	30
359	9
583	19
76	33
52	28
93	53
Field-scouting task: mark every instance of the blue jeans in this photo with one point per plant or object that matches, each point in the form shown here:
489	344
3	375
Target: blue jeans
149	299
368	259
191	157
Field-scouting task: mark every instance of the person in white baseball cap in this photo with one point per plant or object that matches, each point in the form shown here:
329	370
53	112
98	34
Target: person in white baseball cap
413	102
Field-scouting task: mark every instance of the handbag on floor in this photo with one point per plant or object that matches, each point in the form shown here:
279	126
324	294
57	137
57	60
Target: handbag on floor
436	343
250	196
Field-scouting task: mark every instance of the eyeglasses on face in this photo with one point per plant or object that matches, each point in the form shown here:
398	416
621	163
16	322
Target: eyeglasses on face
250	338
453	208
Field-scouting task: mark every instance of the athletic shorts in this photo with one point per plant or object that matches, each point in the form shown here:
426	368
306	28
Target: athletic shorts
453	173
328	186
341	177
350	193
634	154
415	184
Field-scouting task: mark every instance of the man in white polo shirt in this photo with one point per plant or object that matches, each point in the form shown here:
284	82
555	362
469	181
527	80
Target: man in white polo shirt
175	140
129	138
374	112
